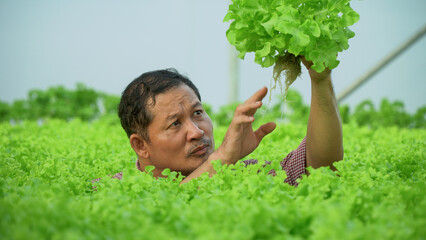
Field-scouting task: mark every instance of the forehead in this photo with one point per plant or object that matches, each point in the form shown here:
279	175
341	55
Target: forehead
174	99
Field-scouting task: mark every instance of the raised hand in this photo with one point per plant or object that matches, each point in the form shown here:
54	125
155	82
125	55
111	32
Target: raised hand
315	76
240	139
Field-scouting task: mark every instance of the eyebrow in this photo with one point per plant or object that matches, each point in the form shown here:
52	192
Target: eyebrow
196	104
174	115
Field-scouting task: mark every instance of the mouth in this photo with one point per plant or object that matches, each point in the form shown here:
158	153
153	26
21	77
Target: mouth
200	150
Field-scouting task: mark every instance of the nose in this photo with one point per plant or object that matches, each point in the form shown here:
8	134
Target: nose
193	131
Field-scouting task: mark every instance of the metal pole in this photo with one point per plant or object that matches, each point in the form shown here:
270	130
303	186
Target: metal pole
233	75
381	64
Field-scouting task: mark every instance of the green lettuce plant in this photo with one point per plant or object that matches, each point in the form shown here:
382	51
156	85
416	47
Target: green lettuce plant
46	188
280	31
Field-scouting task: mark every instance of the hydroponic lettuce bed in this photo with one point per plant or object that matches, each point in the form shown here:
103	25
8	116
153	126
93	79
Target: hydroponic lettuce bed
46	190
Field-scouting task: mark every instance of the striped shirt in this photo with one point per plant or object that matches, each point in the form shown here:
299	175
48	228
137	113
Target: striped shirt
294	164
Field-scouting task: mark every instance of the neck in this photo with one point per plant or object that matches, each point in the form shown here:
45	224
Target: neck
142	163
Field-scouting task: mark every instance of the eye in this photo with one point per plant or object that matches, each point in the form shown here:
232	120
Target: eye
198	112
175	124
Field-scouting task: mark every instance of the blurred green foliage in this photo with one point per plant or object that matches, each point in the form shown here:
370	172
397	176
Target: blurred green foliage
388	114
294	110
87	104
60	103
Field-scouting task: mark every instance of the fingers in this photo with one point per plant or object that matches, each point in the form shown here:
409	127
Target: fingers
264	130
243	119
258	96
308	64
248	108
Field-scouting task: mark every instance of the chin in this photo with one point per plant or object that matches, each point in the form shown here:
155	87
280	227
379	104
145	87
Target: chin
200	161
195	164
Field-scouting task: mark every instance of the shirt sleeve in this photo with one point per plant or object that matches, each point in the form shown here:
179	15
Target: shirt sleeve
294	164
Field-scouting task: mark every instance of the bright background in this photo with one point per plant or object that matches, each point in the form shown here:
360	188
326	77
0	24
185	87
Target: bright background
106	44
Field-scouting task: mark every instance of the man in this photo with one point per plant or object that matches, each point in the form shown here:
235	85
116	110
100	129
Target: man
167	126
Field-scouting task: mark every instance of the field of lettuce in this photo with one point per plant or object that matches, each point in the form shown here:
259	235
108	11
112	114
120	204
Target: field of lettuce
46	192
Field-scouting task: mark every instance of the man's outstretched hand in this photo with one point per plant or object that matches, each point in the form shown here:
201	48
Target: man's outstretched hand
240	139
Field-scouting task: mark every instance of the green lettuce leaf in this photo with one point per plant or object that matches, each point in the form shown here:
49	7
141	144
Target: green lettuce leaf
316	29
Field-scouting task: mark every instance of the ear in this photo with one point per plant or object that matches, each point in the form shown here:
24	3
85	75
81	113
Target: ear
139	146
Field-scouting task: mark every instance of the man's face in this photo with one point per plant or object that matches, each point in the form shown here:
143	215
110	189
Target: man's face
181	132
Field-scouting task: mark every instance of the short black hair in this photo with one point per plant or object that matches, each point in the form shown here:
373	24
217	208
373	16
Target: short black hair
133	110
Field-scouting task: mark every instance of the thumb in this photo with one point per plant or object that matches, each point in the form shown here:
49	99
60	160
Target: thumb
264	130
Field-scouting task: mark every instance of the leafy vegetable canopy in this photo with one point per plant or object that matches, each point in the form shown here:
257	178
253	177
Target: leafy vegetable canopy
46	188
316	29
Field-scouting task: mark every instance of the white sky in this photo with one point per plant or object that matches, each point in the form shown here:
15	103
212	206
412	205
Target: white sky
106	44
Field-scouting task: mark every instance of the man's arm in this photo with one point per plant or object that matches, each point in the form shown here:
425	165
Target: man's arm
324	135
324	141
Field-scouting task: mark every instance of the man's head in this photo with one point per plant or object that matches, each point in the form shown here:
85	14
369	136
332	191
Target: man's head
162	115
